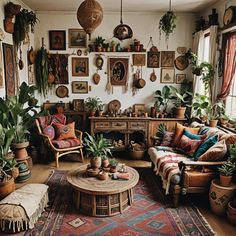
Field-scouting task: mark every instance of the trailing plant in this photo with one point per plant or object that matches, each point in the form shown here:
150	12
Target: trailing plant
42	62
97	146
207	74
24	22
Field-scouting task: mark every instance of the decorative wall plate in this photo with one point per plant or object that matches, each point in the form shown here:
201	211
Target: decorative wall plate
114	106
229	15
62	91
181	62
181	50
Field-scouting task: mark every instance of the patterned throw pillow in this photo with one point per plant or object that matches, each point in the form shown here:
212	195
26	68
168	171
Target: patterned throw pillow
209	142
49	131
167	139
188	146
215	153
179	129
65	131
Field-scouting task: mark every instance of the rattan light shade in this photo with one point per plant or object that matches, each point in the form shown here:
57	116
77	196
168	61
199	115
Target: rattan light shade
90	15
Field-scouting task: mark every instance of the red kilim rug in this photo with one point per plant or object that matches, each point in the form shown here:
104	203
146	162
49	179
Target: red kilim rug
149	214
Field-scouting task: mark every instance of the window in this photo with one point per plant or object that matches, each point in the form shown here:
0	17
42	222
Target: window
230	105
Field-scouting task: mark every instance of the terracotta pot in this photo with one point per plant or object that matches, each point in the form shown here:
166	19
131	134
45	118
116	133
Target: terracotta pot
225	180
92	112
7	187
96	162
19	150
105	163
92	172
213	123
103	175
153	112
220	196
113	169
231	212
180	112
14	172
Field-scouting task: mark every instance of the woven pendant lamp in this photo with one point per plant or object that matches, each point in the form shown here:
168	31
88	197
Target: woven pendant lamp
89	15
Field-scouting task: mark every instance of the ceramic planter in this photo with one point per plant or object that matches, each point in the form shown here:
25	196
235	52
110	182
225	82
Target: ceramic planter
20	151
96	162
225	180
213	123
7	187
180	112
231	212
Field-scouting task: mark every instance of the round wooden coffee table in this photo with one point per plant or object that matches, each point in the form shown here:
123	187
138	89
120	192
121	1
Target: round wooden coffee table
102	197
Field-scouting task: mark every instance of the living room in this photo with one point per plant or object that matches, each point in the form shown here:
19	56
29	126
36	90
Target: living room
133	62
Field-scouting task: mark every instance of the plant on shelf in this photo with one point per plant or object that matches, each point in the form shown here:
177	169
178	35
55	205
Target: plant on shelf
163	98
226	172
97	147
99	43
167	23
93	104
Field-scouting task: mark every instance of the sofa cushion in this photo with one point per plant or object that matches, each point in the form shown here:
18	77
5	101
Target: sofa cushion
194	136
208	142
65	131
216	153
188	145
179	129
167	139
67	143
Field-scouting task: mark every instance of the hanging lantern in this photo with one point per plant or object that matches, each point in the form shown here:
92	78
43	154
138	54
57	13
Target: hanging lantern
89	15
122	31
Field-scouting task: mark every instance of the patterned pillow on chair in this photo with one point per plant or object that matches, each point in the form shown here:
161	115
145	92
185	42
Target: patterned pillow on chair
65	131
49	131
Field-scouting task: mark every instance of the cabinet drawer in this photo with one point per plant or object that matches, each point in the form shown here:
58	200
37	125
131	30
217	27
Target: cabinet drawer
102	125
119	125
138	125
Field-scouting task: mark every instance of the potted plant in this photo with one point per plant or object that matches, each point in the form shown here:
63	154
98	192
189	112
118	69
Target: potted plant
223	119
105	162
99	42
113	165
182	99
100	109
7	183
200	105
92	104
226	172
97	147
163	98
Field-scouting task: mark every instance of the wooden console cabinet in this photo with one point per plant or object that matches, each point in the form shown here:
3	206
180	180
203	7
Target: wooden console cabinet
129	125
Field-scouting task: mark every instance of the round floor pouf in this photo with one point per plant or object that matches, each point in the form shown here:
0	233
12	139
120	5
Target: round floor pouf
219	196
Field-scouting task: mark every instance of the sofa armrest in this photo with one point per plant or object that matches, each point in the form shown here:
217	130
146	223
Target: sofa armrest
201	163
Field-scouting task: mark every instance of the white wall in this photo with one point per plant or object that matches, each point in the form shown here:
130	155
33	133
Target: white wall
23	74
144	25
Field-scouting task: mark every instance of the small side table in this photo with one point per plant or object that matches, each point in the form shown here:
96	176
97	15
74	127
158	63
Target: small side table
219	196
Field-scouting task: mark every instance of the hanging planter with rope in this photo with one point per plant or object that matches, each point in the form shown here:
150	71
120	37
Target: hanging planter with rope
167	23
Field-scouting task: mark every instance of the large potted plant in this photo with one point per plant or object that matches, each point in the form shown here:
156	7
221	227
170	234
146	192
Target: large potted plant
93	104
7	183
97	147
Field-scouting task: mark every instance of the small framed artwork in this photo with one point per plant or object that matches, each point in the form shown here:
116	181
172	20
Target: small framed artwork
168	75
9	68
79	87
77	38
139	59
153	59
80	66
167	58
78	104
139	108
57	39
179	78
118	70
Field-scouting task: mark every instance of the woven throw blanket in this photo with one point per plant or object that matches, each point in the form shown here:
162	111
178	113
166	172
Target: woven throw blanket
22	208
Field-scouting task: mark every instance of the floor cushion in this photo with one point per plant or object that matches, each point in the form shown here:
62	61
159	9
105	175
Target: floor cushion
21	209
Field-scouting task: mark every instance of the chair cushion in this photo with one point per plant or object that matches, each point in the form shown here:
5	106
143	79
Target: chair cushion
179	129
49	131
65	131
215	153
188	145
209	142
67	143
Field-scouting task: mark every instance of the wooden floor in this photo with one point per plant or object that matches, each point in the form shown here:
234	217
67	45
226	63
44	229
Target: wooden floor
40	173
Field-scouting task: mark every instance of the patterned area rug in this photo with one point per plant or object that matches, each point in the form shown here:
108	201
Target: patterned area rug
149	214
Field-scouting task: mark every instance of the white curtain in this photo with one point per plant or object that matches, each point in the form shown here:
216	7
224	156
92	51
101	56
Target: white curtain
212	59
198	49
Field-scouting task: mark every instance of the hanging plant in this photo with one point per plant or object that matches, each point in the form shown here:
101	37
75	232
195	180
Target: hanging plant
42	62
167	23
24	22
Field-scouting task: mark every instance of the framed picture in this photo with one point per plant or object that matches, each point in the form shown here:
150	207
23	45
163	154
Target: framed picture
78	104
80	66
139	59
180	78
139	109
118	68
9	68
153	59
167	58
77	38
57	39
79	87
168	75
